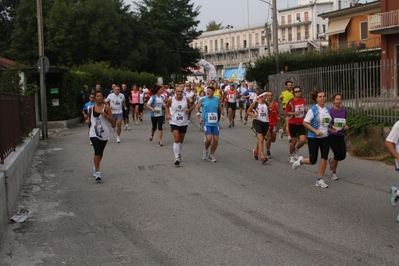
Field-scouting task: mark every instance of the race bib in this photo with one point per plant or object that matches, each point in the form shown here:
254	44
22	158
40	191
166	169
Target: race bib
178	117
325	120
339	123
158	111
301	111
212	118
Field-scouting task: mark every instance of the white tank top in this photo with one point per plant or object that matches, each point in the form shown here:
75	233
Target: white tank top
178	114
263	112
99	125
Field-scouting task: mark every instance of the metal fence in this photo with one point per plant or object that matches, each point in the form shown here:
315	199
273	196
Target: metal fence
17	120
359	83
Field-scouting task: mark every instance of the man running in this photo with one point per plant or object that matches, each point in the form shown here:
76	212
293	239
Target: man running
274	118
285	97
211	106
176	111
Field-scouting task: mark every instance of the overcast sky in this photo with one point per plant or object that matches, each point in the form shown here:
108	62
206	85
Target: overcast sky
235	12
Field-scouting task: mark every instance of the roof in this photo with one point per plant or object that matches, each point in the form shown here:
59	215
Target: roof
352	11
6	63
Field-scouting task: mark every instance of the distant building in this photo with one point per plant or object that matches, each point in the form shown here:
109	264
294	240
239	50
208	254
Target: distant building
299	30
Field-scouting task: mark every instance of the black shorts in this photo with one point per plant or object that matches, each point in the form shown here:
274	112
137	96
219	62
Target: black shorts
241	104
232	106
181	129
141	107
261	127
297	130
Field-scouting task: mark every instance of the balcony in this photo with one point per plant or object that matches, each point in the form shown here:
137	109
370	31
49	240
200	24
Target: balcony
374	43
384	23
293	23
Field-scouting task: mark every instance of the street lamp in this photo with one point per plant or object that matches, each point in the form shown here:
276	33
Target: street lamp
275	35
229	27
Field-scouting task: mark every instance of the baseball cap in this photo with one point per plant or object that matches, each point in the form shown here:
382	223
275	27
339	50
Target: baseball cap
232	84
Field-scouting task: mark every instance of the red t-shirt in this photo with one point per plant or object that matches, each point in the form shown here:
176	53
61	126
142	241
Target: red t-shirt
273	114
293	106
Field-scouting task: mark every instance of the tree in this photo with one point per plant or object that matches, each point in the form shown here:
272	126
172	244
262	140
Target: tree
167	27
213	26
7	14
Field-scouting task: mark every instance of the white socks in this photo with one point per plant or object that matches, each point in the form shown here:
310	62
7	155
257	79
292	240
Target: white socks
176	149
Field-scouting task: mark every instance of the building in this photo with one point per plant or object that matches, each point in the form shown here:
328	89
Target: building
386	23
348	27
299	30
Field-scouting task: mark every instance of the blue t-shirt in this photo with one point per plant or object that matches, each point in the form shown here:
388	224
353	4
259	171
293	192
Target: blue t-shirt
320	119
157	103
87	105
247	93
210	108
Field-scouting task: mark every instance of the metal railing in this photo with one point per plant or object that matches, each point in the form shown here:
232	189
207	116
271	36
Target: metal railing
359	83
383	20
17	120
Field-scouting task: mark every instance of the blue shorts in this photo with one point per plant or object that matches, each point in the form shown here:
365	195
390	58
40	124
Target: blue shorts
118	116
211	130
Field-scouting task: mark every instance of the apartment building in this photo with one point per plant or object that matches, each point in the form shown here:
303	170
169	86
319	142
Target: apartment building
300	29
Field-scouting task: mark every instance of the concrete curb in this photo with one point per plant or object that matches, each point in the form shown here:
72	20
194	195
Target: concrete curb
12	177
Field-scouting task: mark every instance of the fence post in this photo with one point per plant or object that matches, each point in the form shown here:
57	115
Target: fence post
356	86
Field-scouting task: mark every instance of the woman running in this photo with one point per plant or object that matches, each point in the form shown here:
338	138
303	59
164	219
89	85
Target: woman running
141	103
134	103
336	135
156	104
317	121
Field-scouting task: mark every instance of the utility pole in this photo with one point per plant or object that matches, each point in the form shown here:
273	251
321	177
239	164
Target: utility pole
43	100
267	39
275	35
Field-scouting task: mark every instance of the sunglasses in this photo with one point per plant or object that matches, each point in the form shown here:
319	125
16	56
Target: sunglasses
296	91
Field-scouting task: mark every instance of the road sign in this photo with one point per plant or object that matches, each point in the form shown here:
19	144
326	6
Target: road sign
43	64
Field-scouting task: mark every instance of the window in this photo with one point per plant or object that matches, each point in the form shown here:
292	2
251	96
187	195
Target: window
318	28
364	34
238	41
283	34
211	46
324	28
289	34
245	44
289	19
232	42
306	32
282	20
221	44
227	46
298	33
250	40
205	49
298	17
256	38
306	16
200	45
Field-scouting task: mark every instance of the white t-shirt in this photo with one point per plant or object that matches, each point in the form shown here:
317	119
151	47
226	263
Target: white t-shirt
116	102
321	122
393	137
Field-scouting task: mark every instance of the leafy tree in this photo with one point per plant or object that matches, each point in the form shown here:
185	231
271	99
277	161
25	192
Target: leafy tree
213	26
7	14
166	28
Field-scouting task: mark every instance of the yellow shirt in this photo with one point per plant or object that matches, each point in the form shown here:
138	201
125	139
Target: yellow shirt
217	93
286	96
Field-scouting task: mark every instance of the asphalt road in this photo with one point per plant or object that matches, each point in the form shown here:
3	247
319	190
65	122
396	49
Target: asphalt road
147	211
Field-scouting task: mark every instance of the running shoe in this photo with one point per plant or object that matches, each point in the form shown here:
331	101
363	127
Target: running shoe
141	119
137	122
394	197
245	121
160	144
291	159
296	154
232	123
321	183
268	155
98	176
150	138
204	155
128	128
125	127
230	126
255	153
263	160
281	133
297	163
330	163
177	161
118	139
333	176
212	159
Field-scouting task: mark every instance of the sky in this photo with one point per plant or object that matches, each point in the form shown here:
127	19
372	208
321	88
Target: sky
236	12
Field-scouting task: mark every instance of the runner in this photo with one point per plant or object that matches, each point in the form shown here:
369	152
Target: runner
295	113
285	97
134	103
141	103
336	136
99	115
232	96
259	111
189	93
176	111
156	104
247	96
211	106
117	102
242	88
392	145
274	118
126	93
317	121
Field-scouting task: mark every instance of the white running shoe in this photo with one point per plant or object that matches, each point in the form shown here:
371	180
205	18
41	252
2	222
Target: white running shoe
394	197
297	163
291	159
177	161
281	133
98	176
127	126
204	155
333	176
296	154
212	159
118	139
137	122
321	184
94	171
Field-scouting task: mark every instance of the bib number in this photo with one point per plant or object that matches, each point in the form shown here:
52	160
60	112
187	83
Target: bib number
158	111
212	118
